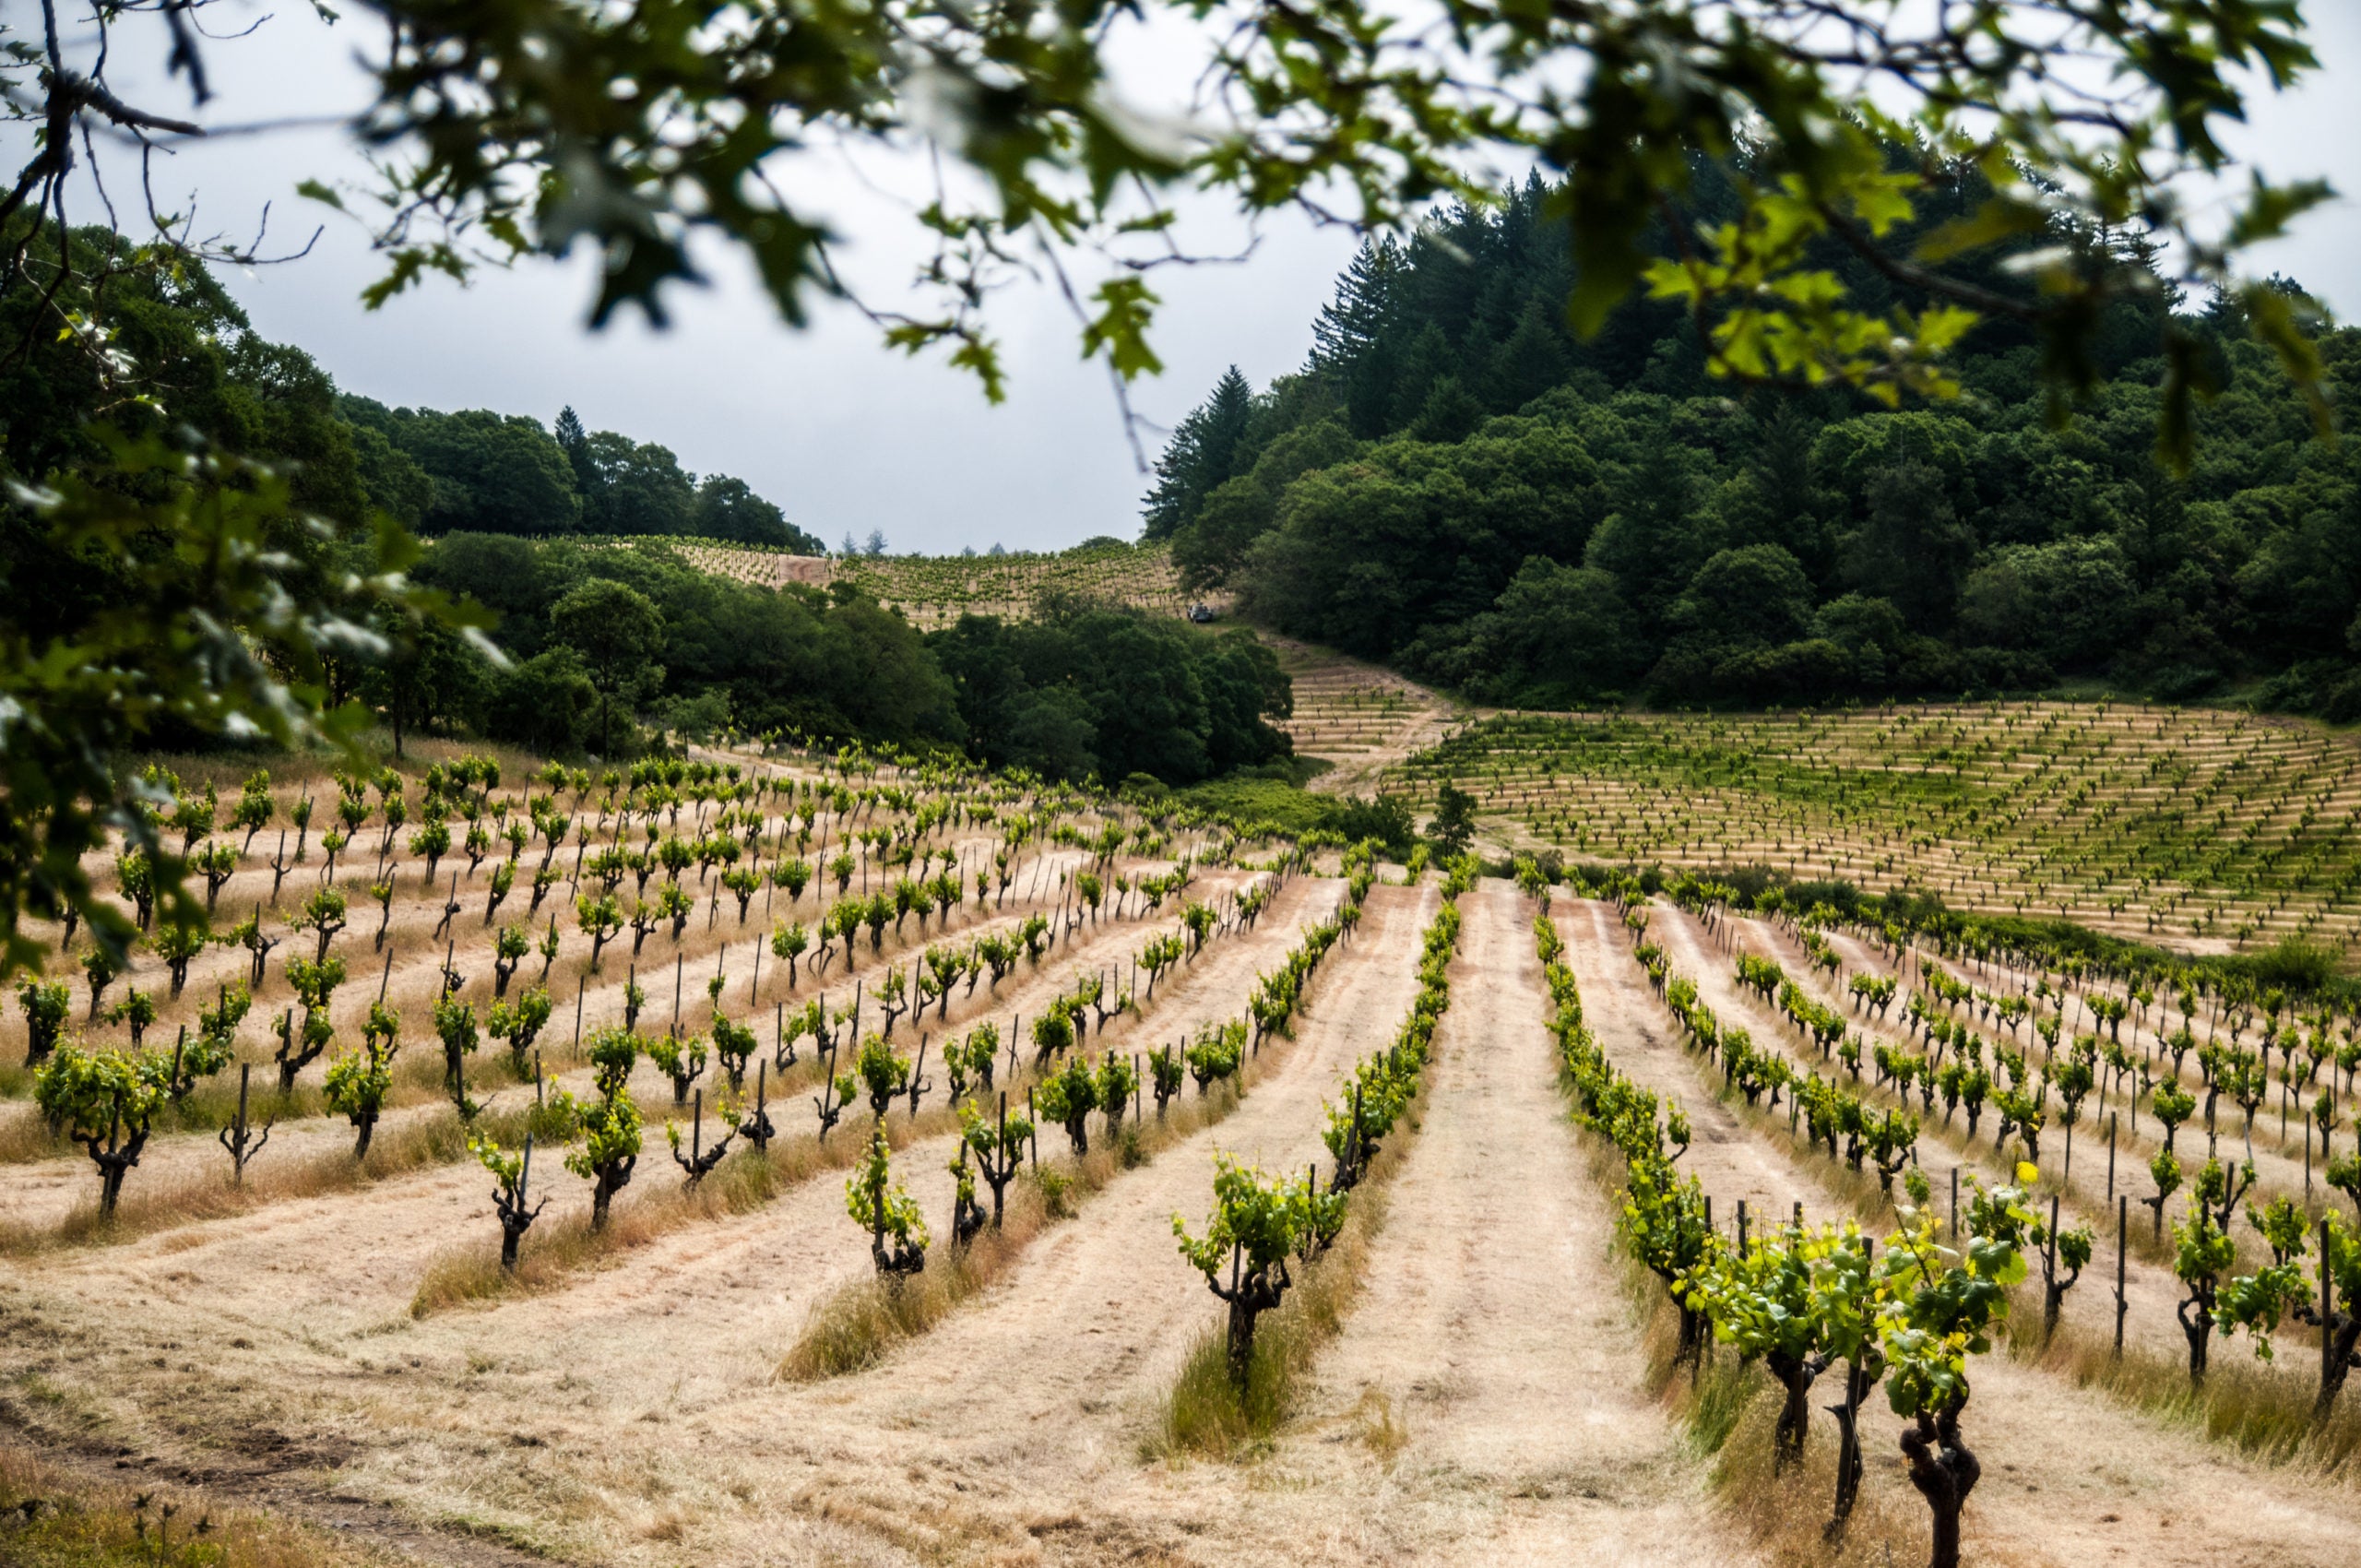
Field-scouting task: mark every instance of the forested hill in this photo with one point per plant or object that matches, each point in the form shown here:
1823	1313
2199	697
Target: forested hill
1456	485
481	472
609	646
201	367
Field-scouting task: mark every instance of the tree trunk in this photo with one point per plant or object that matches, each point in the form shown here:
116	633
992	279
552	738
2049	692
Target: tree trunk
360	1147
1691	1349
603	1196
1944	1471
1849	1446
1795	1374
1242	1343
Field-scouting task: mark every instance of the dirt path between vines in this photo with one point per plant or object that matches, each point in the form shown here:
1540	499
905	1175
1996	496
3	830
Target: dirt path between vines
44	1192
2070	1477
1494	1328
2150	1288
547	1420
1359	746
1013	1431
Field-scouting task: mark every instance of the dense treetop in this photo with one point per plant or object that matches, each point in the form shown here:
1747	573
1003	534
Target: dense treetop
518	517
493	473
1087	689
1456	483
346	456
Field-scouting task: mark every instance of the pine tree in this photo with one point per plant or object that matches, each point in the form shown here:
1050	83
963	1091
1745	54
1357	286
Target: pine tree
1206	448
1452	413
574	441
1350	326
1429	359
1533	360
1222	449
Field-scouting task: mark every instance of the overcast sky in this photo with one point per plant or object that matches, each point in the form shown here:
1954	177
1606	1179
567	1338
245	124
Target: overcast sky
841	433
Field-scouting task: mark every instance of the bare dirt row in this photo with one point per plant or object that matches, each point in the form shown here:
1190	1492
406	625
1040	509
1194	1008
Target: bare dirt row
2071	1475
1486	1401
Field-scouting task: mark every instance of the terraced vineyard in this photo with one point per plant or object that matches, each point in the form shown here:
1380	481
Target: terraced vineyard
936	590
2211	829
852	1238
746	563
1359	717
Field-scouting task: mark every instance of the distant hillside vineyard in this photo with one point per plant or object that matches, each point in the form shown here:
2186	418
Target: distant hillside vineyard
934	592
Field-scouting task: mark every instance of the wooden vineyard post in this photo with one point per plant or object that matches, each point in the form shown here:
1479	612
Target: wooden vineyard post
387	977
755	990
2122	1233
1032	1120
2112	1120
580	982
1954	1203
2327	1340
1741	1228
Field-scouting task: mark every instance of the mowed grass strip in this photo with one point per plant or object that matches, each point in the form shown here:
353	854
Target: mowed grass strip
857	1325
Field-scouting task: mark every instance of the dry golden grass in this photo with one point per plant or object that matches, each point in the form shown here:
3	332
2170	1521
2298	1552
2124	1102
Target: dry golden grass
436	1139
1378	1425
740	1185
854	1325
51	1517
1786	1515
859	1323
1206	1413
25	1136
2258	1407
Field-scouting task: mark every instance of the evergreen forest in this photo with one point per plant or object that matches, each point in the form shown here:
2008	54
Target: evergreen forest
1457	485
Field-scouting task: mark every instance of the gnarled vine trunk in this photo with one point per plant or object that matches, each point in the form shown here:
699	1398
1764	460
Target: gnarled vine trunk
1859	1380
1944	1470
1796	1374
